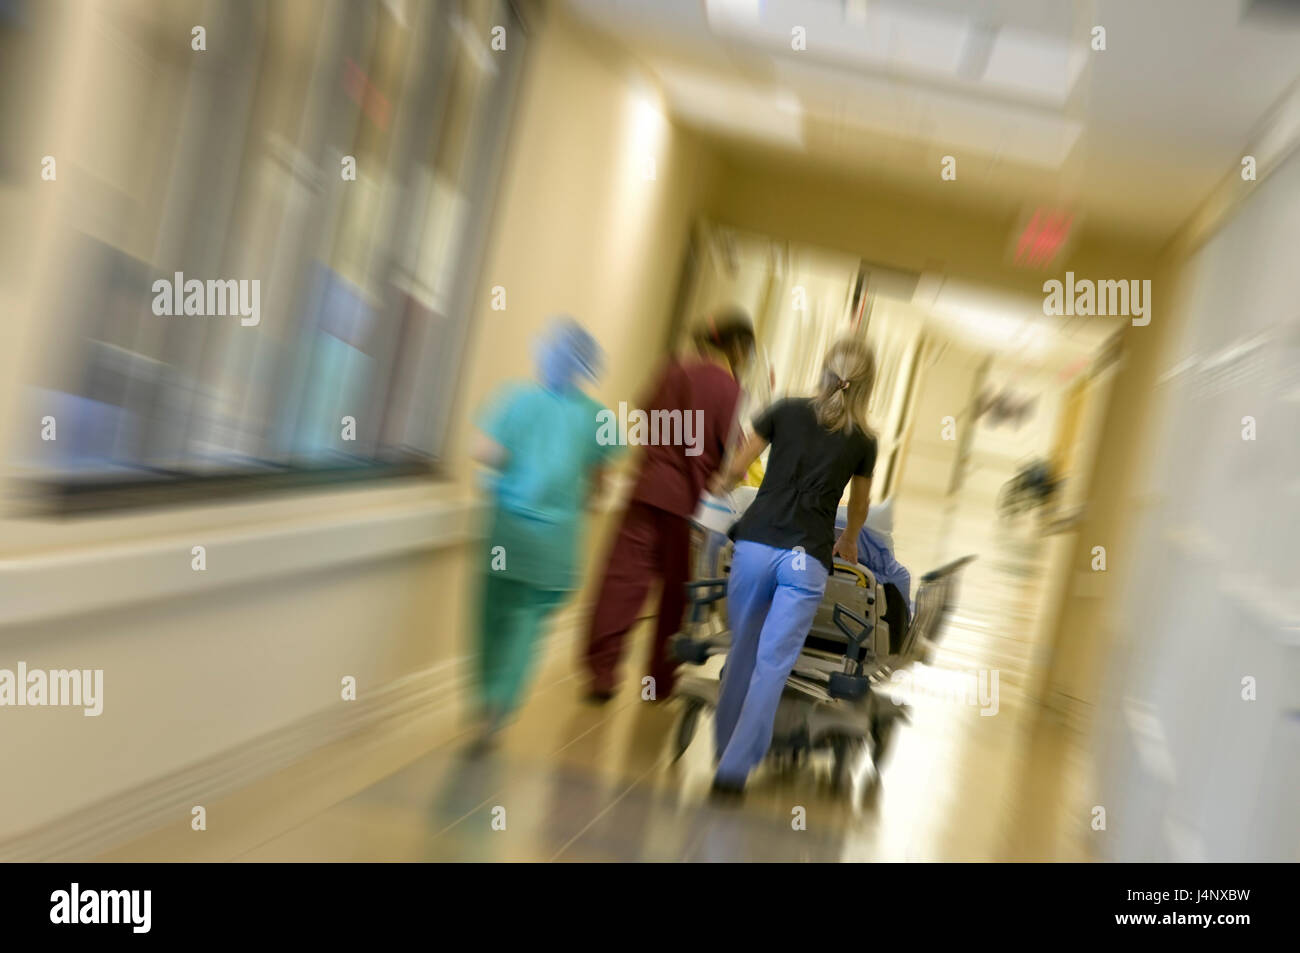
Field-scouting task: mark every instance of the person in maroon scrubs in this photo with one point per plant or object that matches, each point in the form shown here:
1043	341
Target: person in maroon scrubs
654	537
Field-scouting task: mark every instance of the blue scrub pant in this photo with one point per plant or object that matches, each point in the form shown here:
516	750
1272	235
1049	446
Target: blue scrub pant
772	597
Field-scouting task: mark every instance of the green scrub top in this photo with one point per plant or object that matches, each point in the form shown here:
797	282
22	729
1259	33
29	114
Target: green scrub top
552	449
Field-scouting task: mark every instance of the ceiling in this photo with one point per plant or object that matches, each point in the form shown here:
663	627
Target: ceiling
1131	139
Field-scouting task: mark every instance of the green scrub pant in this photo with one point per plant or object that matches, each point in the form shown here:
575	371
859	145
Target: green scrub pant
514	615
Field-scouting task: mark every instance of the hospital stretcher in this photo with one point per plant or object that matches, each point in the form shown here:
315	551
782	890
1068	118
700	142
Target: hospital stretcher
837	697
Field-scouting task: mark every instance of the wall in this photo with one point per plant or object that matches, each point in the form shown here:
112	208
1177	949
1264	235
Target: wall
791	202
1117	428
582	228
578	227
1198	709
999	450
945	387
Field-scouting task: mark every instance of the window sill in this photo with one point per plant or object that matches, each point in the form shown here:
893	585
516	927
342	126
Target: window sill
52	585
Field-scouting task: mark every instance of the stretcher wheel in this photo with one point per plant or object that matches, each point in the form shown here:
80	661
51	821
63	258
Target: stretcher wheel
851	687
691	651
686	727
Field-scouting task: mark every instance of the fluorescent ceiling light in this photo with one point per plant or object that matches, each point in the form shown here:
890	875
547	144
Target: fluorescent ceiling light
898	40
739	11
1028	136
888	35
1033	65
855	11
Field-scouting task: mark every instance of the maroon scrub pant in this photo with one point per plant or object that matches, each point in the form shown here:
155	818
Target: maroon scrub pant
652	544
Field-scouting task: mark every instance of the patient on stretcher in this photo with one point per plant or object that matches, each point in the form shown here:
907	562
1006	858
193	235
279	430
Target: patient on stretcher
876	552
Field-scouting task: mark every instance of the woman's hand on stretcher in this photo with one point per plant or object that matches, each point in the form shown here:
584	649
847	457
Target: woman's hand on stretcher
846	547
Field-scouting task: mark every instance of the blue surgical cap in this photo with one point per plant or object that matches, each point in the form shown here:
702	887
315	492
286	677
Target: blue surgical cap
565	354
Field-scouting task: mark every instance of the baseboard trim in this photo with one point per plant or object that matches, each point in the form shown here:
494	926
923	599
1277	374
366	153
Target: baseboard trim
120	818
137	811
140	810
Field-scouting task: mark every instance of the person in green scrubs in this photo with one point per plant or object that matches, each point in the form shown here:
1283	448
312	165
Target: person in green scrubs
539	441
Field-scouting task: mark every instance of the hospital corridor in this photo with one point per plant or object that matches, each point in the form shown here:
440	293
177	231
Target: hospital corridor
649	431
584	784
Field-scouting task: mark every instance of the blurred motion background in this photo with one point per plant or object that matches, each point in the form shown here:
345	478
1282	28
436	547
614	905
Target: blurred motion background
637	163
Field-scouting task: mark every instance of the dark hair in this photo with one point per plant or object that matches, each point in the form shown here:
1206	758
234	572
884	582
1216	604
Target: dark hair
725	329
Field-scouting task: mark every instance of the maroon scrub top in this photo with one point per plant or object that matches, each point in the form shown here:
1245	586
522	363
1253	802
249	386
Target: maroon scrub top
670	479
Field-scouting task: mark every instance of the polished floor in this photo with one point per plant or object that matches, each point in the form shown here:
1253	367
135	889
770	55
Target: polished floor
571	782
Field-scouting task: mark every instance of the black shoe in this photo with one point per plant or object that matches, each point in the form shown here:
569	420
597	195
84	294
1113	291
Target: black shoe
727	792
598	697
481	746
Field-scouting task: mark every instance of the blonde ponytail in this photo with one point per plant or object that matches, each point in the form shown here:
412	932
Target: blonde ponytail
848	375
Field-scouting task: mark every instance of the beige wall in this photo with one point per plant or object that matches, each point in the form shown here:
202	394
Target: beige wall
946	383
581	228
780	199
578	227
908	232
1083	626
785	200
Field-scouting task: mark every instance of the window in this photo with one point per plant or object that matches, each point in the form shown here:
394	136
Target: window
271	245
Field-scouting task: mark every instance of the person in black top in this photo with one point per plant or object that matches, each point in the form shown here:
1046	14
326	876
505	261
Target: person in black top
785	543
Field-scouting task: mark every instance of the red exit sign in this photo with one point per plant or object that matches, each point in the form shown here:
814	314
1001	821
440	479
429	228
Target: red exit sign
1043	236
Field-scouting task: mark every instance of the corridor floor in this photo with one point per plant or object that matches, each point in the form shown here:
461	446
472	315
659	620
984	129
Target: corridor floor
571	782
